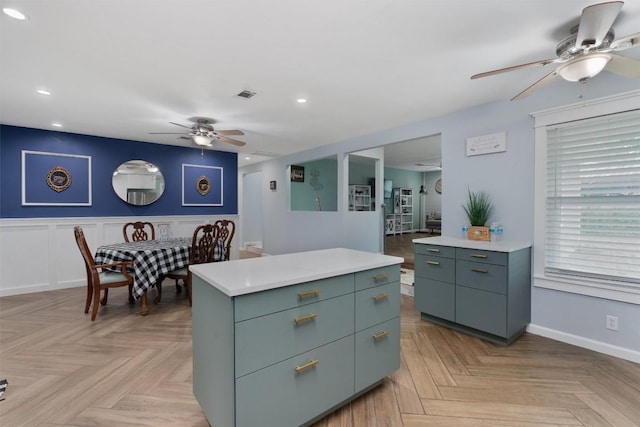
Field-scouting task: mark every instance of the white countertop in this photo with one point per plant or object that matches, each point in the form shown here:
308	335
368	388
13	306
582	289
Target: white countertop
503	246
245	276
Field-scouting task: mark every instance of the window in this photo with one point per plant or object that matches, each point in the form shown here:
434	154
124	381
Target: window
593	198
587	234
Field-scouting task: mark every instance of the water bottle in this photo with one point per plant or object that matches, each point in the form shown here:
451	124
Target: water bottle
493	229
465	231
496	232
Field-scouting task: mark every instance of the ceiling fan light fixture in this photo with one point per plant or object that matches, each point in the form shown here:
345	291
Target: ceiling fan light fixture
201	139
583	68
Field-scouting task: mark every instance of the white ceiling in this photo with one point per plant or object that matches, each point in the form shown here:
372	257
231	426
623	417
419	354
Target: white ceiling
123	68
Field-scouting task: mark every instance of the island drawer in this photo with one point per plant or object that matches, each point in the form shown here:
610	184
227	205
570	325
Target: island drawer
265	340
377	276
436	268
296	390
262	303
482	310
489	257
477	275
435	250
435	298
377	352
375	305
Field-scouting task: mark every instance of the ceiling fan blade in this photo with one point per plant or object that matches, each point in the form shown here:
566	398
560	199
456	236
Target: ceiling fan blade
229	132
230	141
626	42
624	66
516	67
595	22
537	85
182	126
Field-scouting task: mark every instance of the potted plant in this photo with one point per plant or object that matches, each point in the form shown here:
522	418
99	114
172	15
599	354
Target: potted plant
478	209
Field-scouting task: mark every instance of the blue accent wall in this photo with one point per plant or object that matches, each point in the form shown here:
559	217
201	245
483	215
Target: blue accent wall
107	154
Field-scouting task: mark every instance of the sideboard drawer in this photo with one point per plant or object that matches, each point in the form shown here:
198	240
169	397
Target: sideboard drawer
475	255
488	277
436	268
280	396
377	352
482	310
377	276
269	339
259	304
435	298
375	305
441	251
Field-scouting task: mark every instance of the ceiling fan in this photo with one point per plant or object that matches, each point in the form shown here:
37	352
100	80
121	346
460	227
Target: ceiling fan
203	134
586	52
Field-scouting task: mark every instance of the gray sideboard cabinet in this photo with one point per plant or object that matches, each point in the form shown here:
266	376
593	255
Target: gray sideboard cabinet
481	288
283	340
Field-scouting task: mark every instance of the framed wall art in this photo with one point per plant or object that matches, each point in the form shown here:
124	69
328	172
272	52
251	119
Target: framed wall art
202	185
297	173
55	179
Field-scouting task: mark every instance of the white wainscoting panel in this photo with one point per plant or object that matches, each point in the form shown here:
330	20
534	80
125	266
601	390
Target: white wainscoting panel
41	254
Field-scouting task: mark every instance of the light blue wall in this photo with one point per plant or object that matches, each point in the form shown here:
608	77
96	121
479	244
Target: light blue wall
433	199
252	202
507	176
304	194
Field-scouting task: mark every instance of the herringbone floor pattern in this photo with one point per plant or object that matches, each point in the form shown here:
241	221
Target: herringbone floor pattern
127	370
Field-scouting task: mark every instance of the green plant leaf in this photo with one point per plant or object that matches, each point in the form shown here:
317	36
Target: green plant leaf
478	208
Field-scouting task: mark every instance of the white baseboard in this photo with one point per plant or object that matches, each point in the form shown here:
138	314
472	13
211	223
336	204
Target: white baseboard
600	347
5	292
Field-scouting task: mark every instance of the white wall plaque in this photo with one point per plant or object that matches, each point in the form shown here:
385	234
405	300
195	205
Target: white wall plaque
486	144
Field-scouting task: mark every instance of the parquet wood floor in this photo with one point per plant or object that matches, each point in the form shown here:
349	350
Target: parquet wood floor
127	370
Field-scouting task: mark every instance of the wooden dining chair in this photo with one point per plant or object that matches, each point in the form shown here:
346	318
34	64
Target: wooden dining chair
226	230
137	231
99	277
203	245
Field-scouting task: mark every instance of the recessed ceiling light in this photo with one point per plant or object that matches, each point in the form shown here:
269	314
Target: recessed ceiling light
56	125
15	14
247	158
43	92
301	100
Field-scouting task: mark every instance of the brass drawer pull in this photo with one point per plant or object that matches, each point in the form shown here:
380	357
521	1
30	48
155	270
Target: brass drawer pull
479	270
380	297
307	294
308	365
378	277
306	318
380	335
477	256
434	250
433	263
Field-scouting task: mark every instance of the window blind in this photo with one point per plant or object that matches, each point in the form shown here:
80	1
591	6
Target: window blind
592	218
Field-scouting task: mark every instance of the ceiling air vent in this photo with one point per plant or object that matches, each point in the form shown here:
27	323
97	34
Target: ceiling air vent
246	94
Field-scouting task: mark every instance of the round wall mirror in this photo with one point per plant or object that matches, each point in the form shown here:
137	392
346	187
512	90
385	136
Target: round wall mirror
138	182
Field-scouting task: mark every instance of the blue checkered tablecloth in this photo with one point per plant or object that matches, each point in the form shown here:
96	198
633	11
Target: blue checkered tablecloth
151	259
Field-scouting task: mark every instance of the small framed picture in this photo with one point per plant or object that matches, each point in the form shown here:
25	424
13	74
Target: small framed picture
297	173
203	185
272	185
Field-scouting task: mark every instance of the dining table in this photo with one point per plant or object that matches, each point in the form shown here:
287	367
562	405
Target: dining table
152	259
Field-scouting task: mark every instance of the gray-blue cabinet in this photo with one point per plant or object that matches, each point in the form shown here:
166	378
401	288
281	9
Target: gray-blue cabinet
289	355
481	288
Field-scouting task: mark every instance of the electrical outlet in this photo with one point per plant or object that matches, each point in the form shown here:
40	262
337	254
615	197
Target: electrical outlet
612	322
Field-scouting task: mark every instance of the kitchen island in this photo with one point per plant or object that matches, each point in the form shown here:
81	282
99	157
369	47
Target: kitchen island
283	340
481	288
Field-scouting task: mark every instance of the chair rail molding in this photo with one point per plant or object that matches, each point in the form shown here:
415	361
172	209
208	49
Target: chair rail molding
50	243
